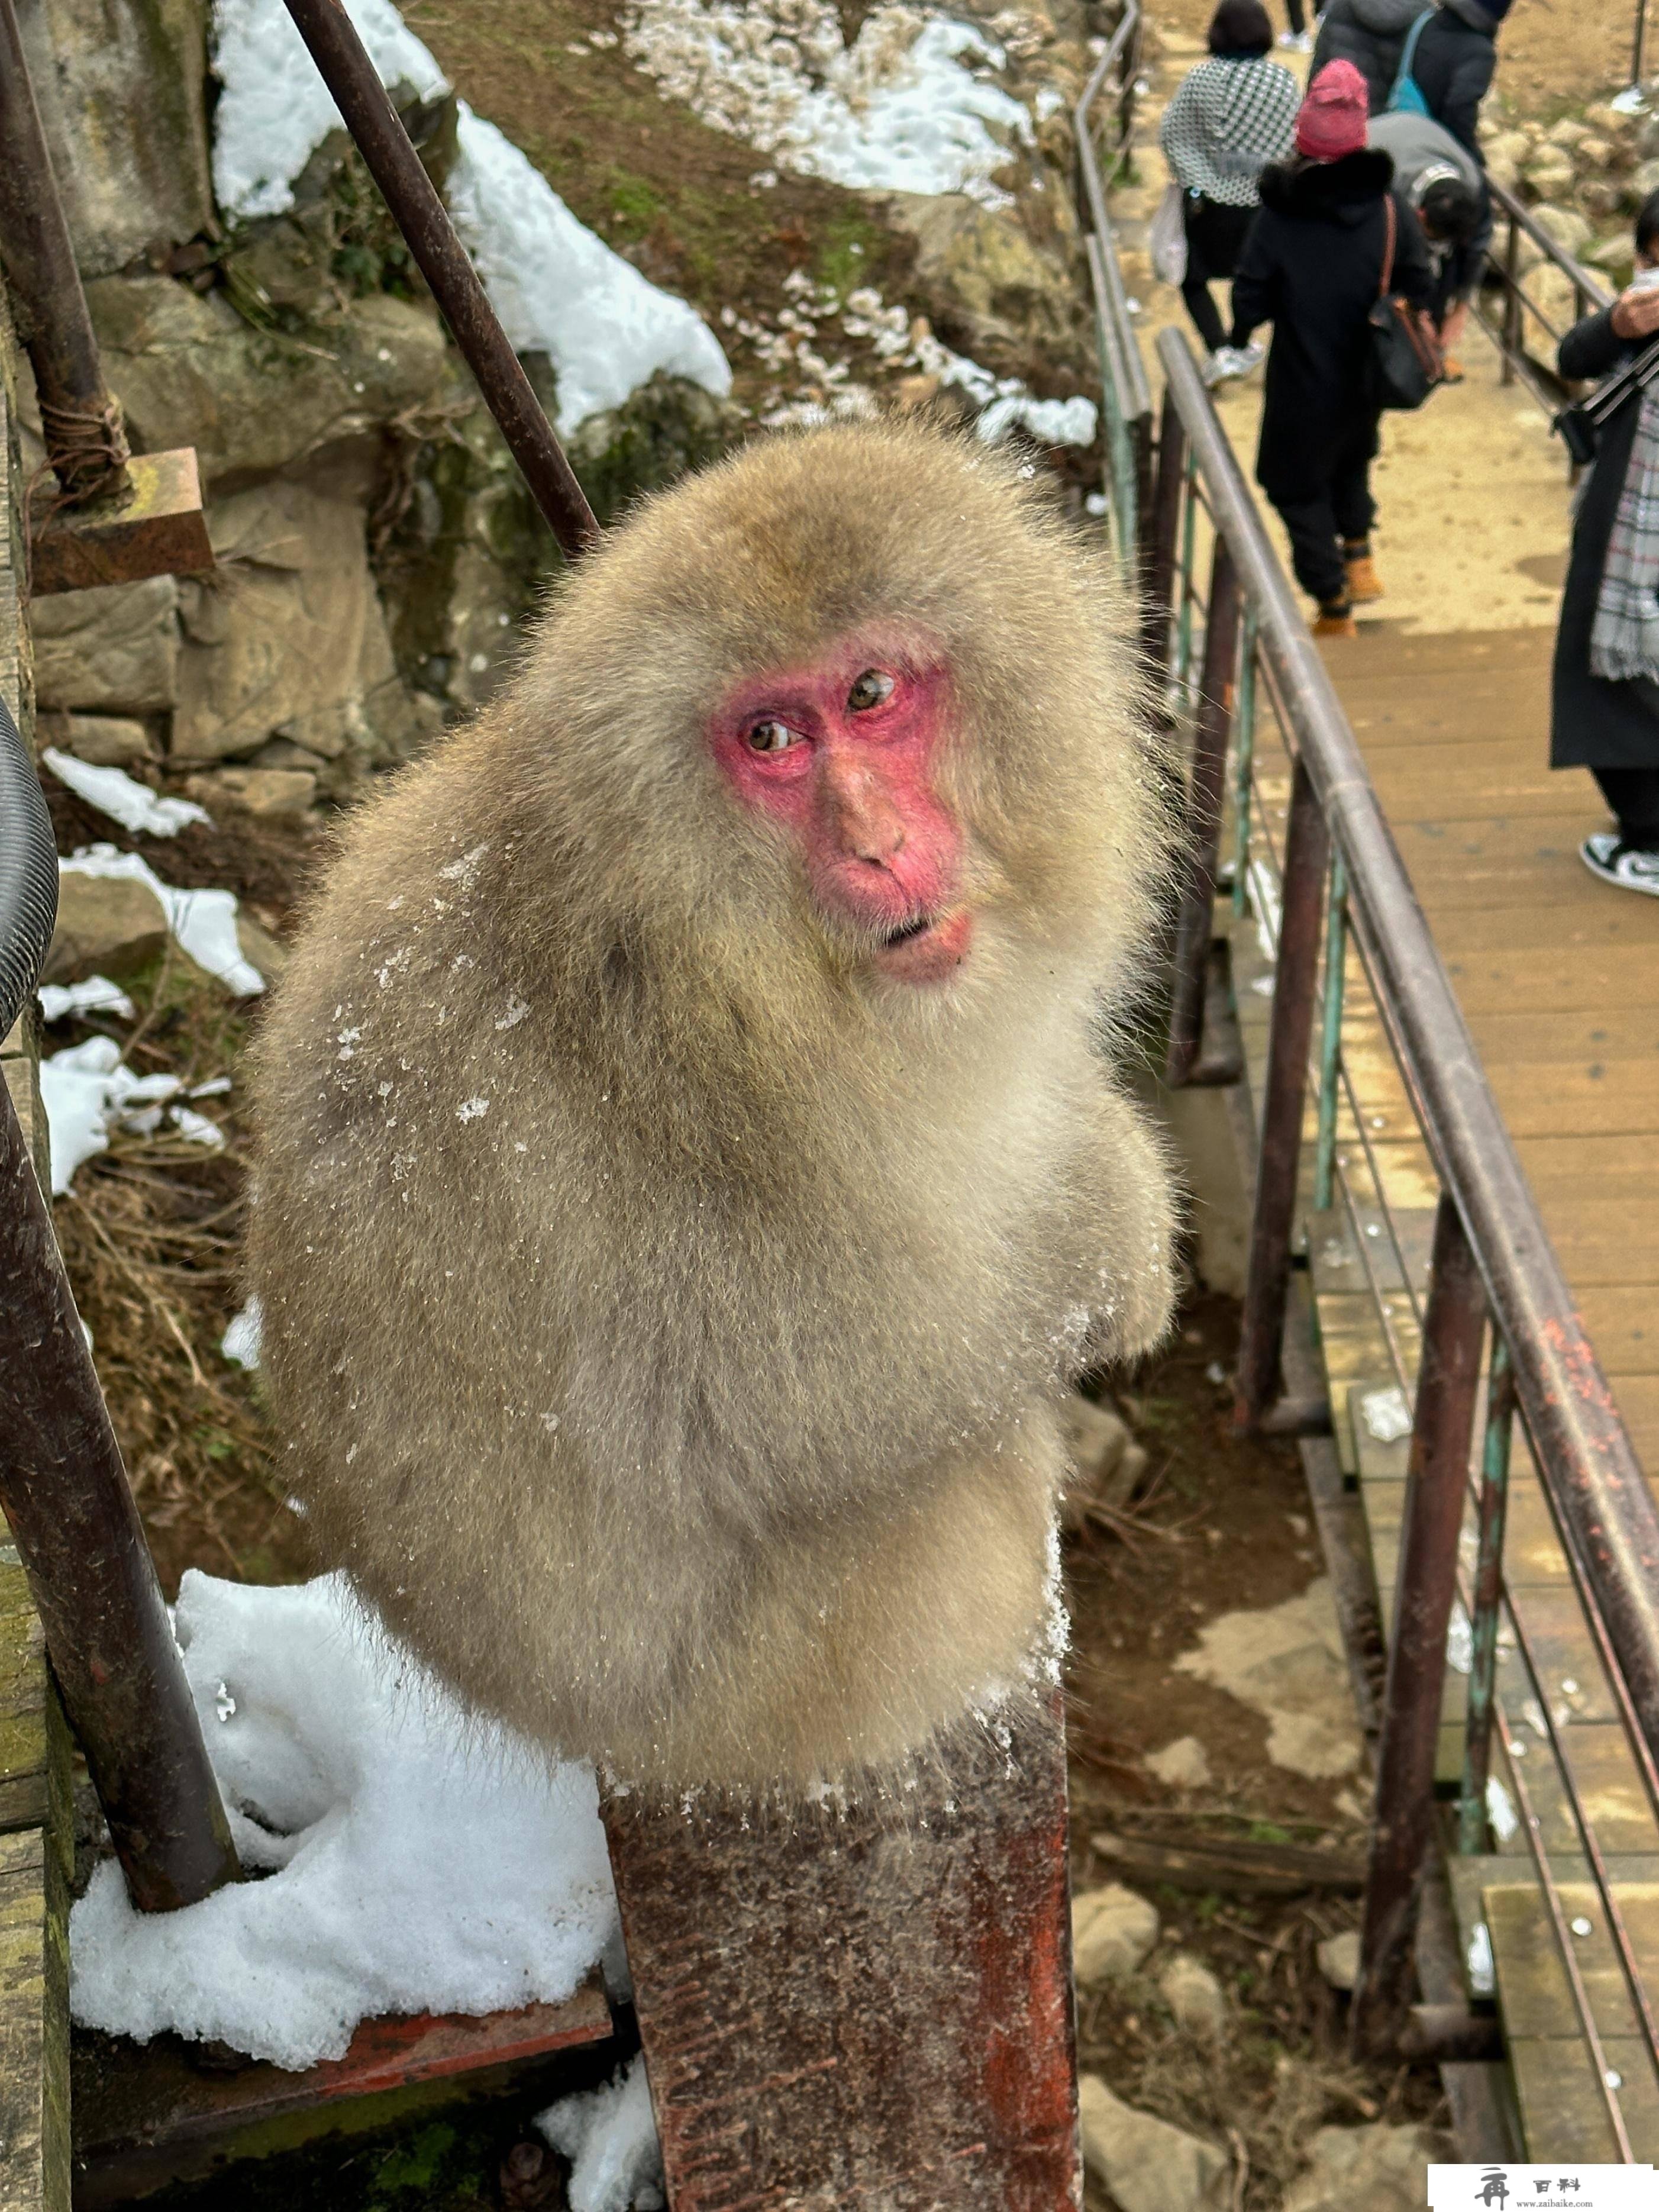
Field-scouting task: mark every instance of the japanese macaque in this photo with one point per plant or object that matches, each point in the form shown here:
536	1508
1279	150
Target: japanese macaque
694	1168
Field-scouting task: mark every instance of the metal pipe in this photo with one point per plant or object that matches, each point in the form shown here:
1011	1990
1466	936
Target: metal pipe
1585	1456
1183	653
80	420
1244	761
1165	534
1196	924
79	1537
420	215
1488	1596
1437	1481
1267	1285
1638	49
1330	1034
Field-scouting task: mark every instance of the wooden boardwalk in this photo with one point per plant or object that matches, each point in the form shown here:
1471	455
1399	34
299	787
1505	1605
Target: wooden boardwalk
1557	973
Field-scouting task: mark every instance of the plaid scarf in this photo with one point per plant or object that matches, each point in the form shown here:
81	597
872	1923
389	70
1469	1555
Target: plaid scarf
1625	635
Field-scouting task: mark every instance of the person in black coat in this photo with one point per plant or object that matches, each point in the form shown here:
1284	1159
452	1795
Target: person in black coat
1612	728
1313	268
1370	34
1452	65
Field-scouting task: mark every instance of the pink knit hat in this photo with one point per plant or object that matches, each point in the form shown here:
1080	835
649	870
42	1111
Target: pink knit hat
1332	121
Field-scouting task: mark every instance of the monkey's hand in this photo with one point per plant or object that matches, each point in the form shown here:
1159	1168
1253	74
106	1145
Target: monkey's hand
1137	1203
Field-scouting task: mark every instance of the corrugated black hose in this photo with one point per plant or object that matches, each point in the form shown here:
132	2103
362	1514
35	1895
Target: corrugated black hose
29	873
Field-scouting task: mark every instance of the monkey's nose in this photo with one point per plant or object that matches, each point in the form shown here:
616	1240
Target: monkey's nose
867	825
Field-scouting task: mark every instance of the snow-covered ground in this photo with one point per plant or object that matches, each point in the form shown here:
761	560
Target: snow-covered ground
203	921
420	1860
89	1090
557	288
907	107
114	793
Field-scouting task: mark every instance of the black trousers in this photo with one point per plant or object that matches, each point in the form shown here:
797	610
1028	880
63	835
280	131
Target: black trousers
1342	508
1633	795
1215	239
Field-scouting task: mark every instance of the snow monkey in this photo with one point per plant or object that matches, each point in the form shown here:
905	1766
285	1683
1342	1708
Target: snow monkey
694	1167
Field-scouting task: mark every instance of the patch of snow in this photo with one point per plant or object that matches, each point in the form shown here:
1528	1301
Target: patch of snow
204	921
556	286
86	1091
610	2138
95	995
1386	1414
903	109
422	1860
197	1128
1050	422
241	1341
114	793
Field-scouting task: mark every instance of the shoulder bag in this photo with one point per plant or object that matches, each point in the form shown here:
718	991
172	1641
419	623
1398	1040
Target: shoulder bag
1406	96
1403	361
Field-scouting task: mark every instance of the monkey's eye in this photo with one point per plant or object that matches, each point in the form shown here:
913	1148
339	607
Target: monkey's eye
869	690
771	737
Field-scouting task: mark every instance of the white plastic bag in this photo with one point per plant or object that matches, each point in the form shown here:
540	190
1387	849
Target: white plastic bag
1167	238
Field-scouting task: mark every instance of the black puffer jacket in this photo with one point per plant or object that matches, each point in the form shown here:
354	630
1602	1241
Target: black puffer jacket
1313	268
1370	34
1453	66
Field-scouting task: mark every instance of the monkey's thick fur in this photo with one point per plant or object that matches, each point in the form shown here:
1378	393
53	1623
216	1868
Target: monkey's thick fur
666	1319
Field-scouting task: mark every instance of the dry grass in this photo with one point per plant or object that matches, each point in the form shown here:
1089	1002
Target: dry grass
150	1232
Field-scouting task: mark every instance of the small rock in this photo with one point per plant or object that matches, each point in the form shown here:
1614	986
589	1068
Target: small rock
1195	1997
1382	2167
1549	172
1603	197
1569	133
255	790
1565	225
1592	153
1109	1463
1645	179
1112	1931
1339	1958
1184	1764
1147	2164
106	925
911	392
101	740
282	752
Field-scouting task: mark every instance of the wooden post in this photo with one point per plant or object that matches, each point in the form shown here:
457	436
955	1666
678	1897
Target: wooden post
864	2007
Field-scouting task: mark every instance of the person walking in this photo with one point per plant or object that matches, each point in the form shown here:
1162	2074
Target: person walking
1452	67
1229	116
1296	39
1605	684
1370	34
1313	267
1445	188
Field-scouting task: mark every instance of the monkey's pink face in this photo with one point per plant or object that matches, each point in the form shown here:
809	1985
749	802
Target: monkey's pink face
842	755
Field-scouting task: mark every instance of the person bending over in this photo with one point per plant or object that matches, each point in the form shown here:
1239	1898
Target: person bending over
1313	268
1446	187
1605	687
1229	116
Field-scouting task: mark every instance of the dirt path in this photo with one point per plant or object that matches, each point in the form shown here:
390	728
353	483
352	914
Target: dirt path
1472	493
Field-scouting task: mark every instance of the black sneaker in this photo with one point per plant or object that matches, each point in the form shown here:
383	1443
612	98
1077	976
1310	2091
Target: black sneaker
1627	868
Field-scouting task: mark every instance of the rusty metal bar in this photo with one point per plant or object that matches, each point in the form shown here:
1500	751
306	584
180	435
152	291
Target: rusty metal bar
1585	1456
81	421
1164	535
866	2004
1437	1482
1261	1325
62	1487
1212	726
420	215
1330	1034
1488	1597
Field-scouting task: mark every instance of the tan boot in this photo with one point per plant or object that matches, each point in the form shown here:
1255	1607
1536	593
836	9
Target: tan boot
1365	585
1336	620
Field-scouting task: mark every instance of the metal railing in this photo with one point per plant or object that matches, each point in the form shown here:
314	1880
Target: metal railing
1222	652
1522	315
1342	880
1127	396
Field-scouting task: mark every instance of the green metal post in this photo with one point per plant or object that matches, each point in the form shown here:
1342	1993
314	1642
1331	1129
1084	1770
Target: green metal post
1243	760
1330	1039
1488	1586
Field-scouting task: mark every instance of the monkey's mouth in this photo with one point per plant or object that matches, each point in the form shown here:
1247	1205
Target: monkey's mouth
908	933
928	948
